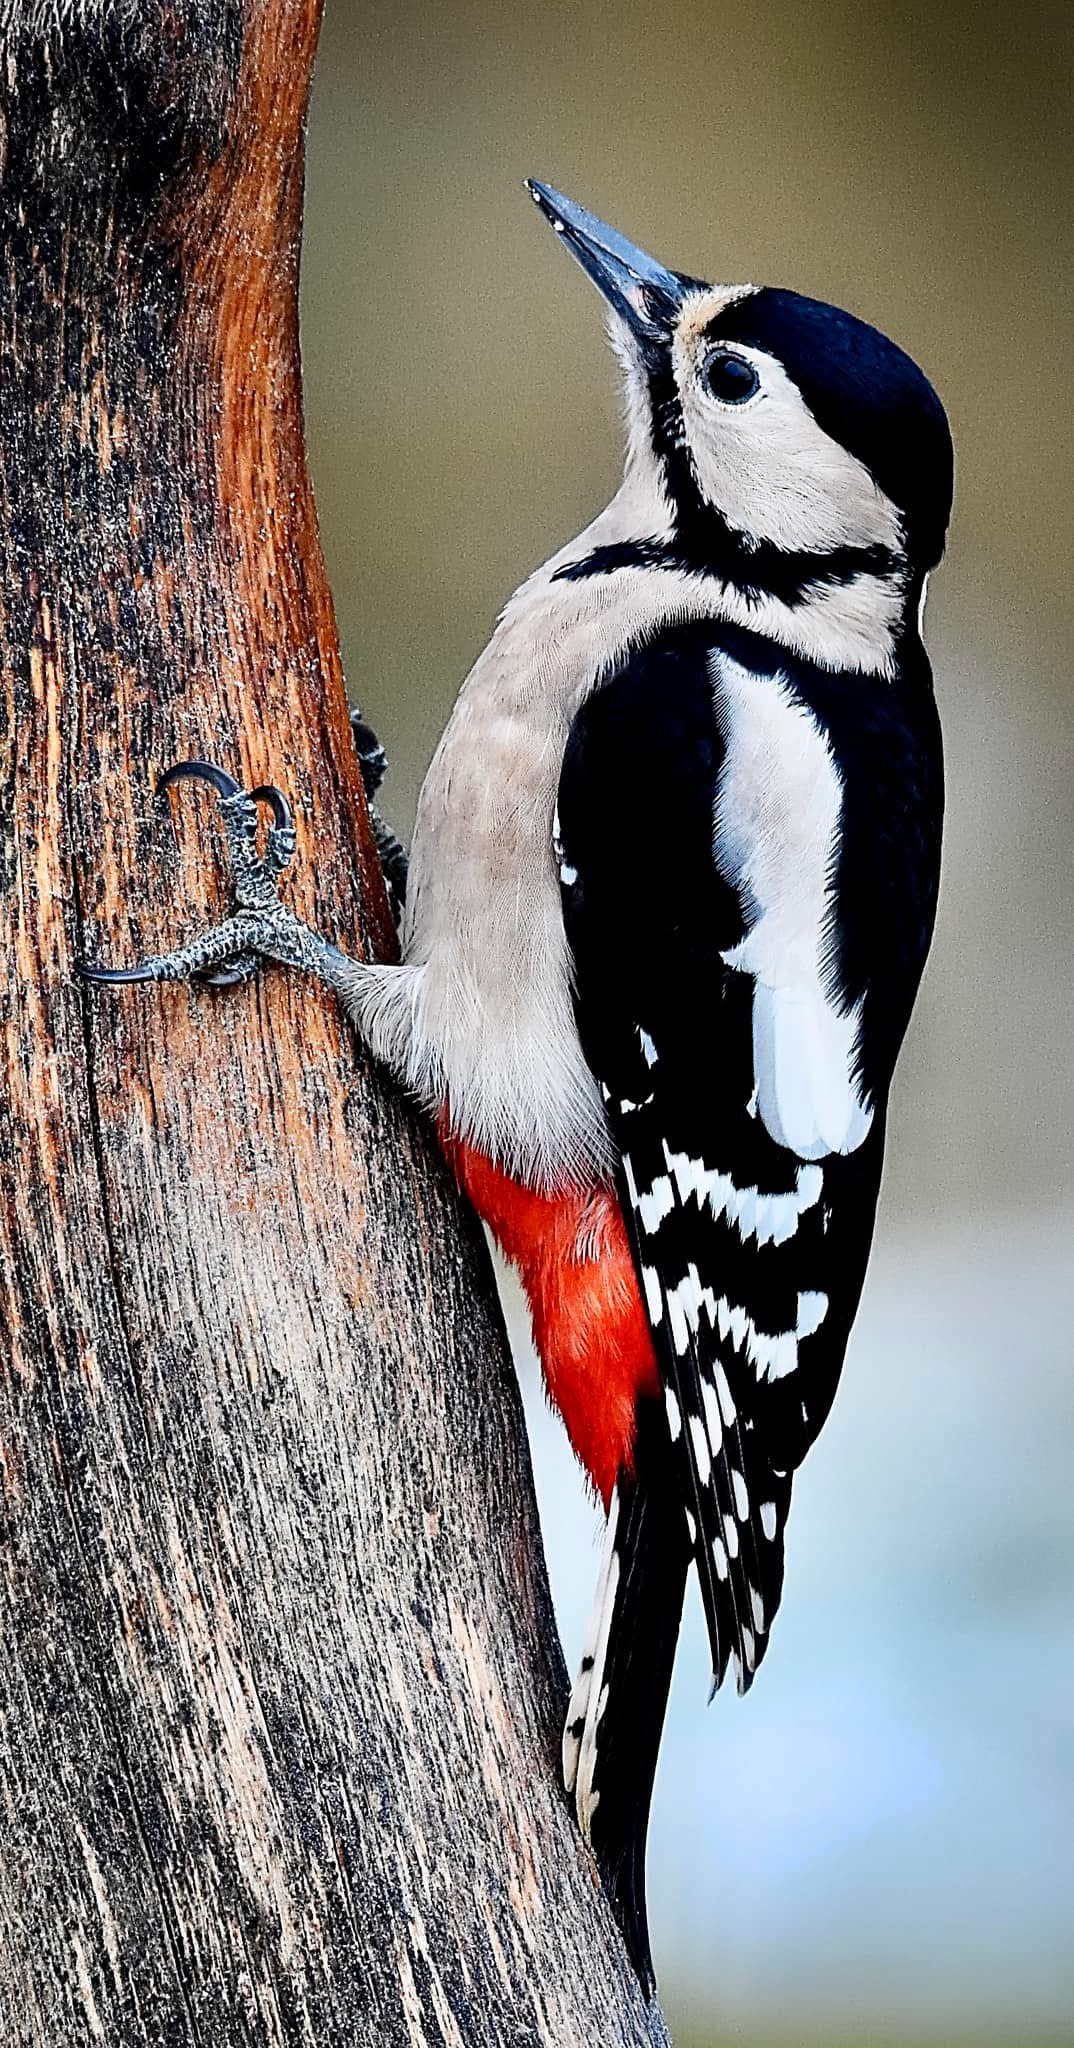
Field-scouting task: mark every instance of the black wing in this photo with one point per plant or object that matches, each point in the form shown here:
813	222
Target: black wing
751	1256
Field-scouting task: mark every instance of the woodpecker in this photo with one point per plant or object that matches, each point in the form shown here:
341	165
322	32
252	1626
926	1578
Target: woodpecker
671	888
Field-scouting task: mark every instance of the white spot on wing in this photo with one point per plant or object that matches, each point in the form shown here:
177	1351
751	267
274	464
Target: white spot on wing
772	1354
674	1414
712	1416
657	1202
647	1047
742	1499
702	1458
654	1300
772	1357
685	1303
812	1309
680	1332
768	1519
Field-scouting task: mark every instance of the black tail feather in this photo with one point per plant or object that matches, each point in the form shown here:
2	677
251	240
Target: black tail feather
630	1682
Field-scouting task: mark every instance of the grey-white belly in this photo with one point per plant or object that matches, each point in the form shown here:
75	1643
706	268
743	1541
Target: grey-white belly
493	1018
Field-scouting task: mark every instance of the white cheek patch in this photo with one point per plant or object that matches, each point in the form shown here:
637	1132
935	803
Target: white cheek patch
777	828
772	471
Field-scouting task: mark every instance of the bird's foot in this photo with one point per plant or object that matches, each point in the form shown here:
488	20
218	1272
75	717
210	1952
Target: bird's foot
373	763
372	759
261	927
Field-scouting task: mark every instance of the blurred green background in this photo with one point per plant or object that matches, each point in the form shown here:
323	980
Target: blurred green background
876	1847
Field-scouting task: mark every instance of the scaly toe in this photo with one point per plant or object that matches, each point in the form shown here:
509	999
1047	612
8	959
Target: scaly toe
214	953
244	967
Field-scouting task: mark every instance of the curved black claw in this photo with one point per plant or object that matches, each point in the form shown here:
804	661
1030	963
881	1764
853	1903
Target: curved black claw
201	771
88	972
267	793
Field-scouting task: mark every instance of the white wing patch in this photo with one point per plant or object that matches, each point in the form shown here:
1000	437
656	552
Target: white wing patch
777	825
803	1056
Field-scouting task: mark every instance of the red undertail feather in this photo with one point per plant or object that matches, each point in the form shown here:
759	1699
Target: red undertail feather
589	1324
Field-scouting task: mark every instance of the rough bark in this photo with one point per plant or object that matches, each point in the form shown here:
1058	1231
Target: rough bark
280	1690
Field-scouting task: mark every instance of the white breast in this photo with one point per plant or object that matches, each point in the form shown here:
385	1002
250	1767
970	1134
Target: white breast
494	1026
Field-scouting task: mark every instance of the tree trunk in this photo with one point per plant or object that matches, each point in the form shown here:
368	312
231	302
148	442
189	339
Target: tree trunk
280	1701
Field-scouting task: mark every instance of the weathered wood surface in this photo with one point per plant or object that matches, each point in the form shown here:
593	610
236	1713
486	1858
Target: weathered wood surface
280	1686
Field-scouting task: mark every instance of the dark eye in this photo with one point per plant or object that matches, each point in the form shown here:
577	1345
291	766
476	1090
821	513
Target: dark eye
728	377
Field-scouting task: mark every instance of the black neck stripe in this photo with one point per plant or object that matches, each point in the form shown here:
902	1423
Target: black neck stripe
757	572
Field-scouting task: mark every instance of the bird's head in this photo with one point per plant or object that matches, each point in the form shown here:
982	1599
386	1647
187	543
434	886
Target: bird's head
791	442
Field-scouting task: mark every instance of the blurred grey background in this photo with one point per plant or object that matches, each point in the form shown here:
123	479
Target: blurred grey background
875	1847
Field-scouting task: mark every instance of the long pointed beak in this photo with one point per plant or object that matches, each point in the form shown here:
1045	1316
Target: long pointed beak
642	292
